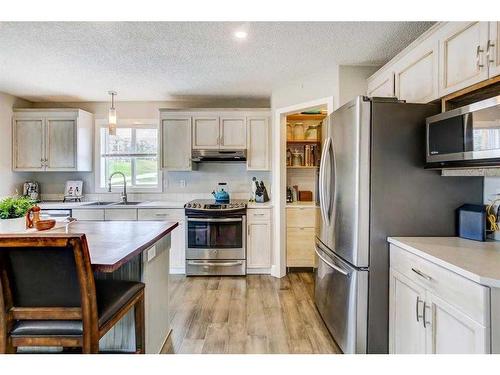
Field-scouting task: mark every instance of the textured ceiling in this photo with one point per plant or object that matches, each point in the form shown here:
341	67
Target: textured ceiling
81	61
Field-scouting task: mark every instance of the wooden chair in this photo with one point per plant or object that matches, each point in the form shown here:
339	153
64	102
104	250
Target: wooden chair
49	297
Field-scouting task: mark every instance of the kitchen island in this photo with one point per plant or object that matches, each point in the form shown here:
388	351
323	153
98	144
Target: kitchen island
138	251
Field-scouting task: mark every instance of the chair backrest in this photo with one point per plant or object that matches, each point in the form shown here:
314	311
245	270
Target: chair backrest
46	277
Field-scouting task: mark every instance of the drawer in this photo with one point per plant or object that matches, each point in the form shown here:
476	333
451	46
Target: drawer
466	295
301	217
86	215
258	214
300	244
216	267
160	214
120	214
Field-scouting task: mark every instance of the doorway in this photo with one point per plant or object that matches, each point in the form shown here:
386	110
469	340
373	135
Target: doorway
297	219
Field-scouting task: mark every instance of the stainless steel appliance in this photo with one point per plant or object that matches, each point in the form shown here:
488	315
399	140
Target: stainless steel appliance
216	237
372	185
199	156
465	137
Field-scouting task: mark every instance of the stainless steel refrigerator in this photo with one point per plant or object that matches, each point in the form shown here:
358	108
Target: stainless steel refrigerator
372	184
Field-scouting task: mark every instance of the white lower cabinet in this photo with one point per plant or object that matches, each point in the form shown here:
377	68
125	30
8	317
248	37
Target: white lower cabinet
258	241
406	312
178	235
433	310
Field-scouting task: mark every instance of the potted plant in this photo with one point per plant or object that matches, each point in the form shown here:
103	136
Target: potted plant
12	213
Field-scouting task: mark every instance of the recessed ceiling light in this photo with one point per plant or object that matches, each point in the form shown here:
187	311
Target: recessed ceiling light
240	34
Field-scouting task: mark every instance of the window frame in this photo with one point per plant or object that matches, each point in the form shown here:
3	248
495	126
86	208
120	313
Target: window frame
126	123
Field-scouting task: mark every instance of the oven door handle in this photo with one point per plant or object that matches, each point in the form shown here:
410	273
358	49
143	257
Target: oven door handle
214	264
216	220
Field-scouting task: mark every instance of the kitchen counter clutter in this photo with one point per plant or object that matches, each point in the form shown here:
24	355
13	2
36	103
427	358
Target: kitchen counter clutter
444	295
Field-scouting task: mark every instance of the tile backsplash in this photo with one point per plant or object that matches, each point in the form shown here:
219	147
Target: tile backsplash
176	185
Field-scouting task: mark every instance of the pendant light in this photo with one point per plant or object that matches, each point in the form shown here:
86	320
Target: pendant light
112	114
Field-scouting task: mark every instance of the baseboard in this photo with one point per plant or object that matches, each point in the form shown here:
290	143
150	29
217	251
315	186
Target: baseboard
177	270
259	271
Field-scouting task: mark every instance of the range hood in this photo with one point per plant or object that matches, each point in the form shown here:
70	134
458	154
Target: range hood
199	156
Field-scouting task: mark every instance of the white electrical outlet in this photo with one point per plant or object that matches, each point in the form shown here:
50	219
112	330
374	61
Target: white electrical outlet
182	183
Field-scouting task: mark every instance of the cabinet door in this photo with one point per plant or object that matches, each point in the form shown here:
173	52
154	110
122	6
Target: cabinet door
406	303
176	144
28	145
493	50
462	55
206	132
178	249
300	244
416	74
450	331
233	133
61	144
259	245
88	214
119	214
258	147
382	86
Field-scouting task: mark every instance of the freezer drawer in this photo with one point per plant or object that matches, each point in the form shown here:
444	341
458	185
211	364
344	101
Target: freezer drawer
341	296
215	267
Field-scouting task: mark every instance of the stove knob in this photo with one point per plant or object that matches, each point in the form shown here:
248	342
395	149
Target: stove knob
188	205
231	206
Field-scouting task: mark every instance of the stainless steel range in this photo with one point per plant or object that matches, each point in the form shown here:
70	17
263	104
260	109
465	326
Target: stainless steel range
215	237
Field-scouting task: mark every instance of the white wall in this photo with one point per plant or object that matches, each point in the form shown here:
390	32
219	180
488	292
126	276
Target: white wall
352	81
9	181
201	181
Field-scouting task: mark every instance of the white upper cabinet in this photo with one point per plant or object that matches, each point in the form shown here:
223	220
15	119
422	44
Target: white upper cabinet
176	143
29	144
493	50
382	85
61	144
462	55
233	134
206	132
417	74
52	140
258	148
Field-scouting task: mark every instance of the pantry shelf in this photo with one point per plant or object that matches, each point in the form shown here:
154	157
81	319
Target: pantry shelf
302	167
304	141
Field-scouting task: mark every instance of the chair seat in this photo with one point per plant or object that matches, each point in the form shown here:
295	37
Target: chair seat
111	295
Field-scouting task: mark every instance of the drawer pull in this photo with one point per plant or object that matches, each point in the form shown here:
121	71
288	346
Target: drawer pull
258	214
421	274
426	323
162	215
217	264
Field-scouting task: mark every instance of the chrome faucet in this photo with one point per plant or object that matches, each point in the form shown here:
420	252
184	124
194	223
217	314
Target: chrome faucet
124	193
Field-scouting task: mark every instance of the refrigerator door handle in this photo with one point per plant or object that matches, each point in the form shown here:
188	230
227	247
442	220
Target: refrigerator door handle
336	268
331	198
322	180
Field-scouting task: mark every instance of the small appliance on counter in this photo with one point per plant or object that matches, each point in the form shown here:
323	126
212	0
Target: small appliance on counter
289	195
471	219
220	194
32	189
73	192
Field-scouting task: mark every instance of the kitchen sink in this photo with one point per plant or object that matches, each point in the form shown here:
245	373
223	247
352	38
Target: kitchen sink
128	203
100	204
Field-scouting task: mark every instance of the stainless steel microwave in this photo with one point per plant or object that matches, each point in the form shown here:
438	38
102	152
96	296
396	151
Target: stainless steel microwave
465	137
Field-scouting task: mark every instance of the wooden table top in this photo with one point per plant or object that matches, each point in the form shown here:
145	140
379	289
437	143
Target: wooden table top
113	243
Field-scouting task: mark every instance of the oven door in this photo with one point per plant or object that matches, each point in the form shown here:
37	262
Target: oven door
216	238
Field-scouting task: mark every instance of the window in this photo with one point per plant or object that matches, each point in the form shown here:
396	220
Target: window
133	151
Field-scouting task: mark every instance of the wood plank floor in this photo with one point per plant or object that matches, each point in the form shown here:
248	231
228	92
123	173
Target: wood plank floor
252	314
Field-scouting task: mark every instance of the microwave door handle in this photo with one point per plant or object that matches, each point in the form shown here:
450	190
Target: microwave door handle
215	220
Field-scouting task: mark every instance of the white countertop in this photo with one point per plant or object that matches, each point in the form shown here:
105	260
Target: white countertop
474	260
302	204
85	205
259	205
146	204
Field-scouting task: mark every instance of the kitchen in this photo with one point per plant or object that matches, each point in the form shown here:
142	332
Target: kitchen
318	218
